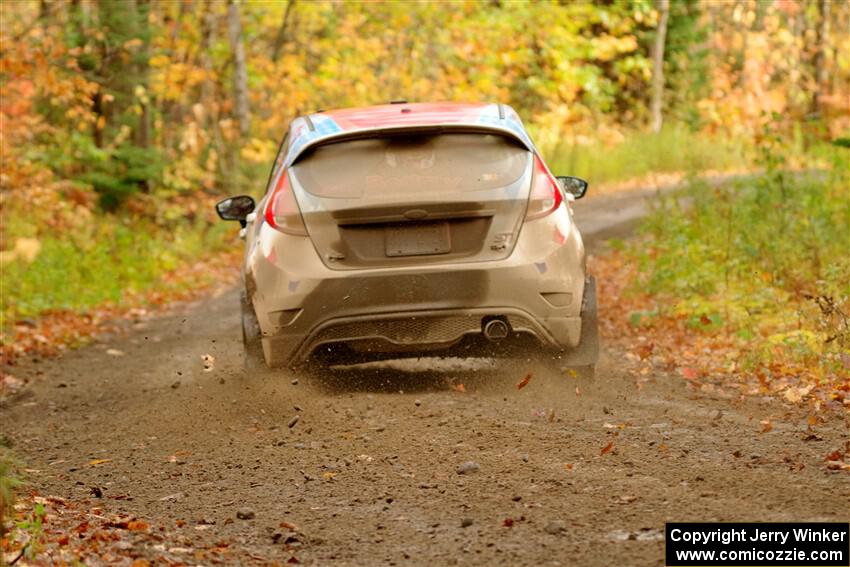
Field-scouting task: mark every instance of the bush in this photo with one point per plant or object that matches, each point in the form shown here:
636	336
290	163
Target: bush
118	174
764	258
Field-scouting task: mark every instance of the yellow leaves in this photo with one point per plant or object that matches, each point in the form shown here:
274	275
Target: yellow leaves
607	47
160	61
98	462
259	151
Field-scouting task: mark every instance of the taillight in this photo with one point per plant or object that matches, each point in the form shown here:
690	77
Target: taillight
545	195
282	212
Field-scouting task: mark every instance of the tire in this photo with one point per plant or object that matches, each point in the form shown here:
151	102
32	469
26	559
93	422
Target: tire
584	357
252	346
586	353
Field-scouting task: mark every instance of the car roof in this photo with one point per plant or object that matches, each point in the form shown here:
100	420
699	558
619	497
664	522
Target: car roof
311	129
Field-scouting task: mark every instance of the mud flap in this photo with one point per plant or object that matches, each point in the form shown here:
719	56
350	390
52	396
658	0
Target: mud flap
586	354
251	345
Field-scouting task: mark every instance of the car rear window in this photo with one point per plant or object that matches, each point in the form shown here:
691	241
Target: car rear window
429	164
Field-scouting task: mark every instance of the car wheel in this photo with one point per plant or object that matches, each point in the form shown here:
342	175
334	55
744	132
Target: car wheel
252	347
582	359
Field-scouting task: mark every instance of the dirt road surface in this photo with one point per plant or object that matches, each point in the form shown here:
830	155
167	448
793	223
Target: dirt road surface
381	466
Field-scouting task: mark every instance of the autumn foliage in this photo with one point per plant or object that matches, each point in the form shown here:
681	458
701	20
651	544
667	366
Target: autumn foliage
122	122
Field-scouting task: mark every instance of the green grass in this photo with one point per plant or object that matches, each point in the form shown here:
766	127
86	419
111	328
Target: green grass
100	262
674	149
764	258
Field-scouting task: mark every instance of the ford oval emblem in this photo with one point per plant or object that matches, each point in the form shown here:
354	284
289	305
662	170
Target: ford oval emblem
415	214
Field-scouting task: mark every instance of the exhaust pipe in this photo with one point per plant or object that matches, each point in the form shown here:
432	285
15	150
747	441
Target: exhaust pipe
496	329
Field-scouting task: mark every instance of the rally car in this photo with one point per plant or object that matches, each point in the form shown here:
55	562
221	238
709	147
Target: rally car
404	229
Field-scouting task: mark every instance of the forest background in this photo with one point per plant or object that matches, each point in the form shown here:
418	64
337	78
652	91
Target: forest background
123	121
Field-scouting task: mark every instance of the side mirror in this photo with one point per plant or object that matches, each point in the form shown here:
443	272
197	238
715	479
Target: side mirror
235	208
575	186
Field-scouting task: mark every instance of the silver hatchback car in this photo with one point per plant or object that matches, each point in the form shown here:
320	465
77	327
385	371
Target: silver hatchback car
404	229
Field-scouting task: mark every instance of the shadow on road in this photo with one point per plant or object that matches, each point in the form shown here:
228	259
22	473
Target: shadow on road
411	375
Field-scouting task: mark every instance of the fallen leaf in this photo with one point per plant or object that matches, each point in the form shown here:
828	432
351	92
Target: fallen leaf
572	373
97	462
627	499
524	382
607	448
766	425
795	395
688	373
460	388
508	522
645	350
114	352
578	391
9	381
569	467
837	466
328	475
836	455
138	526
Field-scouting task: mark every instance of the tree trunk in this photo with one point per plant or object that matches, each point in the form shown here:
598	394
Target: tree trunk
208	27
208	88
658	66
142	133
240	69
822	30
280	38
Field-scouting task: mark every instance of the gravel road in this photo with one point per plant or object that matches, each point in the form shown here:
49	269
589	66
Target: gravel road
403	465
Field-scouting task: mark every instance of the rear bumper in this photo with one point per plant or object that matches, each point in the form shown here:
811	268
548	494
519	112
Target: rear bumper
416	331
302	305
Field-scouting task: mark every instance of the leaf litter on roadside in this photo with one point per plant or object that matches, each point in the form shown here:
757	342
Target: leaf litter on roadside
660	337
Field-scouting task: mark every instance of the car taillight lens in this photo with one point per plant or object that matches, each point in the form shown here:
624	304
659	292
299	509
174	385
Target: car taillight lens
282	212
545	195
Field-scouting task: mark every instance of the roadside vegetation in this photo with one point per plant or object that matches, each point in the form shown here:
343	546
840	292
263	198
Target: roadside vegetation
639	156
746	283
